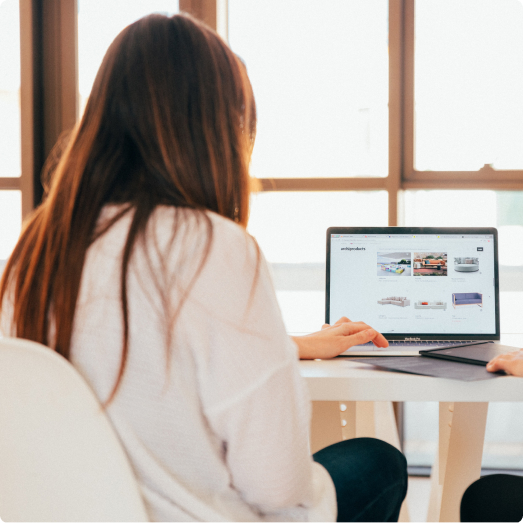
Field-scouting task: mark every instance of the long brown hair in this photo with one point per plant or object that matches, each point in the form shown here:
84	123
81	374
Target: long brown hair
170	121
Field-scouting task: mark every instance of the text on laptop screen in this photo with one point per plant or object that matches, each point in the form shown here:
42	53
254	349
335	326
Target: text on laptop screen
424	284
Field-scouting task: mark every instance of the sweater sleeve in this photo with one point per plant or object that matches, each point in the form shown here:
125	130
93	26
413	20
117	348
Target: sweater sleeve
251	390
267	450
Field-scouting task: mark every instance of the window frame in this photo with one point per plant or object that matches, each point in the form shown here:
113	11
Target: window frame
48	89
484	178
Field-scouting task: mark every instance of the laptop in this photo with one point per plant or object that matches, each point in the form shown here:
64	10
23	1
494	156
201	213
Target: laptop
421	287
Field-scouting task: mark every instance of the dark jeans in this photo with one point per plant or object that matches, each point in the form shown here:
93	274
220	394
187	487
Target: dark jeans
498	497
370	477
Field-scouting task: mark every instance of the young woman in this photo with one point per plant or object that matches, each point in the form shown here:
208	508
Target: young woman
138	269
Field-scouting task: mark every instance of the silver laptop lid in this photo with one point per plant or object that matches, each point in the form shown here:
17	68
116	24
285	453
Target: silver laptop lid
410	282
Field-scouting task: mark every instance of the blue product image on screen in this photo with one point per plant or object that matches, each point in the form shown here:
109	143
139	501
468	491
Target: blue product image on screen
467	298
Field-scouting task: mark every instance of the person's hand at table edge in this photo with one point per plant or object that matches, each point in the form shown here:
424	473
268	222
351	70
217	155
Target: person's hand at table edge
332	340
512	362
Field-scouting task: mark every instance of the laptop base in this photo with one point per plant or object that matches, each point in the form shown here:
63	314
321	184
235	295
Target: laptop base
406	348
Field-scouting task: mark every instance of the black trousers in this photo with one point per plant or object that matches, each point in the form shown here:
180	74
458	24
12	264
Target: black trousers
370	477
498	497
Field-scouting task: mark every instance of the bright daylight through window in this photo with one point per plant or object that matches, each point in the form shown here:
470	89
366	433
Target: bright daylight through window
10	142
322	100
468	84
99	21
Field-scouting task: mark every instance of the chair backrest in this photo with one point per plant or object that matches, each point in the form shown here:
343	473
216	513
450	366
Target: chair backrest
60	459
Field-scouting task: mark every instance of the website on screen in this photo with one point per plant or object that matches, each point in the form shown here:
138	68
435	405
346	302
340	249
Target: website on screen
425	284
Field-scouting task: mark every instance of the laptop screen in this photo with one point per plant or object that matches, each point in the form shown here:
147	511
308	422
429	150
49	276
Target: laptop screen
413	281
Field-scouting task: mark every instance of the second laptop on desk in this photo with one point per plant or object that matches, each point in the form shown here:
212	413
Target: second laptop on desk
422	288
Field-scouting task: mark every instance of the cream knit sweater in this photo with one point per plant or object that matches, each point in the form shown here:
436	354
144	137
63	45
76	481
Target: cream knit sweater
212	410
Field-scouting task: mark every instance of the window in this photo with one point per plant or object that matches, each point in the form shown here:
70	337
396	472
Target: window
10	222
468	84
10	119
99	21
320	78
10	165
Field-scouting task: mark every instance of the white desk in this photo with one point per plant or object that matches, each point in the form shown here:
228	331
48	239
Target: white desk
365	395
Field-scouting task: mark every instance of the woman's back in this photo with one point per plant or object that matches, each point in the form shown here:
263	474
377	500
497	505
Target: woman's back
201	381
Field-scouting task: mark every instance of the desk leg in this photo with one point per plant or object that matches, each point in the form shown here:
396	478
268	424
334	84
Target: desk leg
458	463
326	426
438	468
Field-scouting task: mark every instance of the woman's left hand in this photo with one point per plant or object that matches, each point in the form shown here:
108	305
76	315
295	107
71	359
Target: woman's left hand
512	362
332	340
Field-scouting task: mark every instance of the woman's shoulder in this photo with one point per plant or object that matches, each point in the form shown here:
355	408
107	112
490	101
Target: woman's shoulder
203	232
171	227
222	260
164	217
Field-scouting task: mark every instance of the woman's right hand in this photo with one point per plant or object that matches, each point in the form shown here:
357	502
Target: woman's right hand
332	340
512	363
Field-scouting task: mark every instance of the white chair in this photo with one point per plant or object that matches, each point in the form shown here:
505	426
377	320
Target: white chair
60	459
